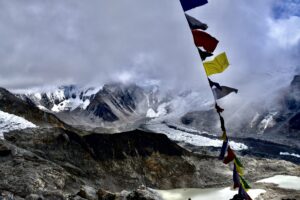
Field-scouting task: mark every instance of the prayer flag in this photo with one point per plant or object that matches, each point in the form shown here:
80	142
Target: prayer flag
217	65
238	162
205	40
222	123
230	156
212	84
195	24
239	169
223	149
219	94
204	54
190	4
236	178
244	194
224	136
244	183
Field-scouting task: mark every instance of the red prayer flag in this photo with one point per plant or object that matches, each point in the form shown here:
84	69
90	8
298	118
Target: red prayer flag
203	39
230	156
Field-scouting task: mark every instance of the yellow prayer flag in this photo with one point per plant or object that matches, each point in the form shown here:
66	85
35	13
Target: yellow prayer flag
217	65
224	136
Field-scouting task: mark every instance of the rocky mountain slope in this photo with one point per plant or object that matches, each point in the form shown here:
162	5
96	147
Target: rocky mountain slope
52	163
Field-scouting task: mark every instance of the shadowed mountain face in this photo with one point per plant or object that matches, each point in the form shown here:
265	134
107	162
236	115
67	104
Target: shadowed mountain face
115	99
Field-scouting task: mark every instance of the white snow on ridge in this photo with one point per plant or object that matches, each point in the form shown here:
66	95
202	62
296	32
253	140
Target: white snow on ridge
10	122
289	154
197	140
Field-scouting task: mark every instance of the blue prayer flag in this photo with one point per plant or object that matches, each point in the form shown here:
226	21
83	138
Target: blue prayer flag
190	4
223	149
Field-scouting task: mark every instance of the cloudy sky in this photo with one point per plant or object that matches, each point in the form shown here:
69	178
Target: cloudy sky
56	42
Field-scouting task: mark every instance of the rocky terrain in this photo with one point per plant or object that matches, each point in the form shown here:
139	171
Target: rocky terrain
53	163
66	157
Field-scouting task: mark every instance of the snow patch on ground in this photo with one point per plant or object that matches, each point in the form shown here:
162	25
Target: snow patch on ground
285	182
10	122
197	140
289	154
205	194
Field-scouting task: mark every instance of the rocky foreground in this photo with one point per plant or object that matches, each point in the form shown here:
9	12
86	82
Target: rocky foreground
53	163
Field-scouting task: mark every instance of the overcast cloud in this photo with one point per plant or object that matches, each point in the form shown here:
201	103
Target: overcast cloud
55	42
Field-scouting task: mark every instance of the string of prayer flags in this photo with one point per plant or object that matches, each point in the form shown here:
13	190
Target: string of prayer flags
204	54
190	4
218	94
202	39
217	65
195	23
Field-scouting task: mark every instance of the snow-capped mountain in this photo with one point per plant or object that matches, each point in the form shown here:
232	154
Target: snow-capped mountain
111	108
119	107
64	98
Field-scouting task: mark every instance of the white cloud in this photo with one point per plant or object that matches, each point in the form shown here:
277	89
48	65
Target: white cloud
54	42
285	31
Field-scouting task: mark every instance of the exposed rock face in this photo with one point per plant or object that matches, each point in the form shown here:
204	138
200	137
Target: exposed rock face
124	99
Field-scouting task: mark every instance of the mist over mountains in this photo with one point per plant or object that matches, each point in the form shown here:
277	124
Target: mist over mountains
118	107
